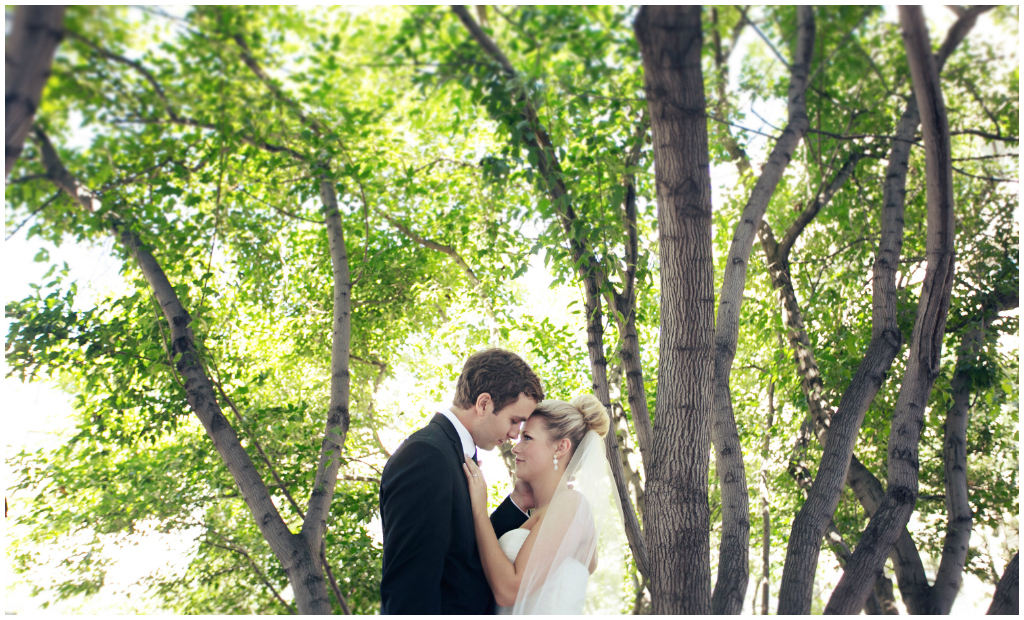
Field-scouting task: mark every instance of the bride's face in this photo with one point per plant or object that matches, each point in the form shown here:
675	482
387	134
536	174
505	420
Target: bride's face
535	451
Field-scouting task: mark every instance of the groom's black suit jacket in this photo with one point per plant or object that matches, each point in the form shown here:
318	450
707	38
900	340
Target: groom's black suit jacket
431	564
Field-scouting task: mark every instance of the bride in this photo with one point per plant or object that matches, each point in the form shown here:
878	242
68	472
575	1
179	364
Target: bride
551	564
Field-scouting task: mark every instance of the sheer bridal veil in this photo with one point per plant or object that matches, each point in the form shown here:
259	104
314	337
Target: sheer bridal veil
582	532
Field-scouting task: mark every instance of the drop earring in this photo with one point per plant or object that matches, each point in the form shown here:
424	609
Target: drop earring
555	458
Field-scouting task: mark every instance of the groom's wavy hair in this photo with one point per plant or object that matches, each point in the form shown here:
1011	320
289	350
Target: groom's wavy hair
500	373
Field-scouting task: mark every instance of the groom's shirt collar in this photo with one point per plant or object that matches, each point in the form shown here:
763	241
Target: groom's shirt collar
468	446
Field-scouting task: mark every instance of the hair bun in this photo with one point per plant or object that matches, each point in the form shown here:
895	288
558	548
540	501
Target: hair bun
595	416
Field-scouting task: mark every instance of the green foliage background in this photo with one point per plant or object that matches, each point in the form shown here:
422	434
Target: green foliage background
208	168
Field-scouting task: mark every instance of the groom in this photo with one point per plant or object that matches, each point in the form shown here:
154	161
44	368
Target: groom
431	563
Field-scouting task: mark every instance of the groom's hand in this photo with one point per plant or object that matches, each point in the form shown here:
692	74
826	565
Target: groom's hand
522	496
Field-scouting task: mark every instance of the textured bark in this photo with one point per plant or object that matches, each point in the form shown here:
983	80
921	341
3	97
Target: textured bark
599	375
28	57
730	587
907	563
959	517
924	361
313	596
591	277
906	559
868	490
881	601
809	526
624	303
300	562
311	593
678	519
1006	601
810	523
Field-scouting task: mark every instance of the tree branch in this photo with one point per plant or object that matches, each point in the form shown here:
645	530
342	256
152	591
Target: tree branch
28	57
334	582
259	573
35	212
273	471
819	202
724	433
134	64
197	384
984	178
589	271
764	38
929	326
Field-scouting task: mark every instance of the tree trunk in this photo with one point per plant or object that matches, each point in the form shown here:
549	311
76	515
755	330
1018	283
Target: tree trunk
766	517
599	375
590	274
29	52
311	597
300	561
959	517
678	519
1006	601
731	584
924	361
907	563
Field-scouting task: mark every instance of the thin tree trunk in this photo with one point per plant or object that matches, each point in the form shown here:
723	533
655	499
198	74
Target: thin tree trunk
959	518
590	274
678	518
1006	601
884	346
28	57
766	517
298	560
624	304
312	597
868	490
731	584
906	559
599	375
924	361
881	601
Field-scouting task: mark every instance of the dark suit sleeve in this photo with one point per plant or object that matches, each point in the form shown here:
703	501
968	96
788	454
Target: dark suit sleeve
416	509
507	517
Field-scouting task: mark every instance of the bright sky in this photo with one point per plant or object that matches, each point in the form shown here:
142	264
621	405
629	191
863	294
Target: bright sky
38	415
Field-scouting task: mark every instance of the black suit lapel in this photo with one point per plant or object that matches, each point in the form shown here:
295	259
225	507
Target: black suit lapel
450	432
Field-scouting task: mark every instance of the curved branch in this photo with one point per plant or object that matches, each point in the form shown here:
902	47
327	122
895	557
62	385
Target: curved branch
724	434
929	327
259	573
134	64
198	385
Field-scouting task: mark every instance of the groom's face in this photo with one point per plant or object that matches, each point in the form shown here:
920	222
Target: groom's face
493	429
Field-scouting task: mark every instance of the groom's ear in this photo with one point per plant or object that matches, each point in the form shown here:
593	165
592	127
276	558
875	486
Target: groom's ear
482	401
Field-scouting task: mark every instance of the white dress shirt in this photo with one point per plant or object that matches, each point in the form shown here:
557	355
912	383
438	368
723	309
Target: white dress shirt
468	445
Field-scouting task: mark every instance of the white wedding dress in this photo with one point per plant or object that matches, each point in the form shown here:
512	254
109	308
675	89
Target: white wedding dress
566	590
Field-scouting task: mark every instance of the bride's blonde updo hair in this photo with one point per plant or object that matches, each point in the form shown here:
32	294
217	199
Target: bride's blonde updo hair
571	420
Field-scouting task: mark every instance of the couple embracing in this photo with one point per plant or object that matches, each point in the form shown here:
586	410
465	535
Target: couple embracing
537	553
